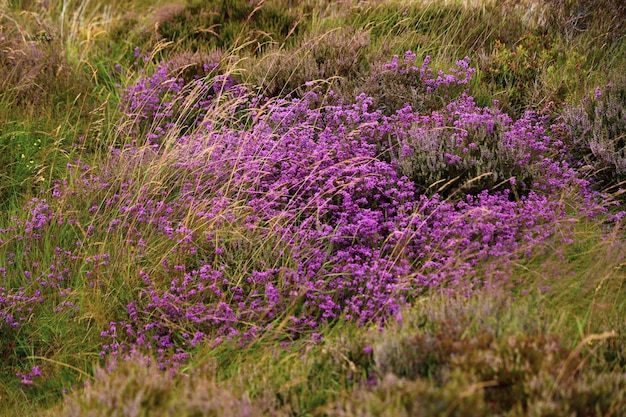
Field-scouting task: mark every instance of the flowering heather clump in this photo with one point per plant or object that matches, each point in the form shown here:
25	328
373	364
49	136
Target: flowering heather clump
595	132
35	70
176	98
399	83
472	148
289	215
356	239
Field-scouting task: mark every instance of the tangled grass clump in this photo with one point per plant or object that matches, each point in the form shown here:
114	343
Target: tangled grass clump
35	68
137	387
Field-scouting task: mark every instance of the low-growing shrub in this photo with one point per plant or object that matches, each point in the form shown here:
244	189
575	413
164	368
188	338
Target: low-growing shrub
487	353
136	387
467	148
176	98
517	377
441	333
595	133
515	72
35	69
398	397
337	58
396	84
225	23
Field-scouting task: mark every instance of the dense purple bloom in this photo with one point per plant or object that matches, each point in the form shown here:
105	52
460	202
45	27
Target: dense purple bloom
27	379
335	215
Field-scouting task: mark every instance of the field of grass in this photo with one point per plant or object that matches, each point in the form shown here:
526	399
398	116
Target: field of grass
313	208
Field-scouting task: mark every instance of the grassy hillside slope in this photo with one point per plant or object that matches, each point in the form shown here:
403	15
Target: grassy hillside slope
307	207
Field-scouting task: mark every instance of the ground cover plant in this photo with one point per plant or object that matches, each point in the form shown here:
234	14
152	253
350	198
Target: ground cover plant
309	208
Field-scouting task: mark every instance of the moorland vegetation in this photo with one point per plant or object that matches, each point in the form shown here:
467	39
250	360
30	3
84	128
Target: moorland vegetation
309	207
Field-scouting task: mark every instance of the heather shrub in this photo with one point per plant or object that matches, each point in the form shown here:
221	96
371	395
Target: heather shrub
35	69
136	387
165	14
595	133
515	72
604	20
176	98
399	83
589	393
193	66
420	398
517	389
337	58
226	23
465	148
508	365
439	332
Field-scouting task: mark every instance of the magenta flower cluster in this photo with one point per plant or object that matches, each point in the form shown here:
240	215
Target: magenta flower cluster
165	101
461	75
332	220
27	379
